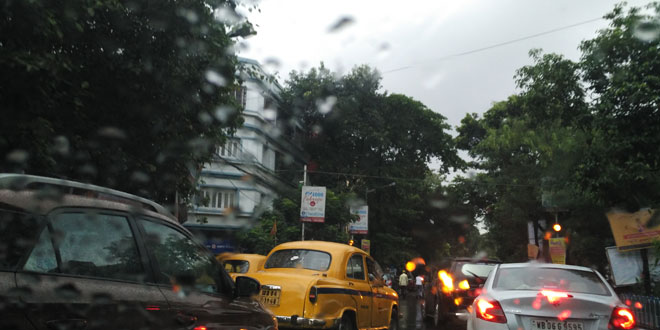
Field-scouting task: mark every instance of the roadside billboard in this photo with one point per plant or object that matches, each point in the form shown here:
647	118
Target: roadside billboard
312	204
366	246
557	250
633	231
362	225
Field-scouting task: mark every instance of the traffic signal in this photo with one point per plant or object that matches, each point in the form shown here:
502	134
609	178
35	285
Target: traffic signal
557	227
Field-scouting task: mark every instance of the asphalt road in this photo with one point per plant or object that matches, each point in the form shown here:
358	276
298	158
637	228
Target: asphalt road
411	316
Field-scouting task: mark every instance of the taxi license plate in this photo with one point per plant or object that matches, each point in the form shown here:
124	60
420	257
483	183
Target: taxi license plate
538	324
270	296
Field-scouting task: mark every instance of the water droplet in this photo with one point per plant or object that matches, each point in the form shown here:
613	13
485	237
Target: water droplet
190	15
18	156
317	129
205	118
215	78
434	80
223	113
325	106
438	203
67	292
341	23
139	176
112	133
459	218
270	114
226	15
61	145
647	31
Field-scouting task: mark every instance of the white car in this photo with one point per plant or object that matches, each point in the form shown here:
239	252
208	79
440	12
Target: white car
533	296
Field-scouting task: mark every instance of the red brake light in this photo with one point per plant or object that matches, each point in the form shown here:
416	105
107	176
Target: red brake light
622	318
555	296
201	327
490	311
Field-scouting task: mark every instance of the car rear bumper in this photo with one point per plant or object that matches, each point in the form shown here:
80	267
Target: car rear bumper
295	321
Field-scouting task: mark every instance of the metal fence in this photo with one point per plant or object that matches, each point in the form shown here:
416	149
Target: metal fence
646	309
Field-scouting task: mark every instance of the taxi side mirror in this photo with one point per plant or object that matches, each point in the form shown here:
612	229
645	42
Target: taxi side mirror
246	287
375	281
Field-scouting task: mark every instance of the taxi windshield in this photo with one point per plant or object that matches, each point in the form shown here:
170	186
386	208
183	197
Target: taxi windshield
299	258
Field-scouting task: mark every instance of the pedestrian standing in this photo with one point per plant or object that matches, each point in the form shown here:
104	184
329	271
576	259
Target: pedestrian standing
403	283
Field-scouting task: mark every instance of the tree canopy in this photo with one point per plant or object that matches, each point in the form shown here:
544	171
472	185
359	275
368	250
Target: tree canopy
122	94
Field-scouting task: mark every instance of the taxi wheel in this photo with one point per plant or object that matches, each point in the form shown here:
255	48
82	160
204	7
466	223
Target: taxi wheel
346	323
394	320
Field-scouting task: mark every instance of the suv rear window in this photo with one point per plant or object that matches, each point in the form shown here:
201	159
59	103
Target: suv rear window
471	270
299	258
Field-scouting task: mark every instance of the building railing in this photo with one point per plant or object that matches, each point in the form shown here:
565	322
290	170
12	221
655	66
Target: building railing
645	308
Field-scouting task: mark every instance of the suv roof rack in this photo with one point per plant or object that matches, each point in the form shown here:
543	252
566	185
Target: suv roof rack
25	182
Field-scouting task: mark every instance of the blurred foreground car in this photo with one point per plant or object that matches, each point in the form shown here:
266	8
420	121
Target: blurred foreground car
241	263
548	296
453	287
315	284
78	256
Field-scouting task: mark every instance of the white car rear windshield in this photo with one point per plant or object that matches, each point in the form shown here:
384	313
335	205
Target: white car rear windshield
538	278
298	258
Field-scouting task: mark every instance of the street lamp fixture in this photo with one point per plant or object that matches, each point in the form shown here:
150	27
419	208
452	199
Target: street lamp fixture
367	190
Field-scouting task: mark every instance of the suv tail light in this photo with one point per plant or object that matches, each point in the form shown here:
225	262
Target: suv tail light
313	294
489	310
622	318
447	281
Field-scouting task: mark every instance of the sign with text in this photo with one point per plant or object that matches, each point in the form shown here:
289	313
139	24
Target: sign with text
366	246
633	230
312	204
362	225
557	250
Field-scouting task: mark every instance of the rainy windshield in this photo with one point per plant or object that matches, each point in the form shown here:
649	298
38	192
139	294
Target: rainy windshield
566	280
307	259
420	132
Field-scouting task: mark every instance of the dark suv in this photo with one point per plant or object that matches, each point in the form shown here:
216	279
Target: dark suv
453	286
78	256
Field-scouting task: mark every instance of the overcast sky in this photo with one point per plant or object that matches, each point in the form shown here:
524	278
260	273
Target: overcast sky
411	42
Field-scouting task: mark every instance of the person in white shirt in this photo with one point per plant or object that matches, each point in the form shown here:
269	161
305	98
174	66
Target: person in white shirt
419	284
403	284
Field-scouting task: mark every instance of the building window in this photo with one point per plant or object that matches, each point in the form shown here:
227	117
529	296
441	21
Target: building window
231	149
240	95
219	199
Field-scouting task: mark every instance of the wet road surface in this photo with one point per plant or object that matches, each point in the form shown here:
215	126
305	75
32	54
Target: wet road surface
411	316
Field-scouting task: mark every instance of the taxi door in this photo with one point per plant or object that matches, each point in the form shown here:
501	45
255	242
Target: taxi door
381	304
356	277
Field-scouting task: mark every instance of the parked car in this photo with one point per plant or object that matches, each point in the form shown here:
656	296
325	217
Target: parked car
241	263
548	296
78	256
314	284
452	288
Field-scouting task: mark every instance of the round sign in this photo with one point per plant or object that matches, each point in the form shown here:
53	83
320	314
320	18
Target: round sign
312	203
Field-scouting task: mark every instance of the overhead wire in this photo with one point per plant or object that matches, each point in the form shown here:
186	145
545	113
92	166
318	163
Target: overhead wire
481	49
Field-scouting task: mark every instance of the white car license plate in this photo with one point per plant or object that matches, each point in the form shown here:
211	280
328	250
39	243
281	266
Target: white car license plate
539	324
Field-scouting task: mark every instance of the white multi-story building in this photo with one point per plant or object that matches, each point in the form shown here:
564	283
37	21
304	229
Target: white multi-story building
242	180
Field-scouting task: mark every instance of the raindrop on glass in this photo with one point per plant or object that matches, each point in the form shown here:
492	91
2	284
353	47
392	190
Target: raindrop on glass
325	106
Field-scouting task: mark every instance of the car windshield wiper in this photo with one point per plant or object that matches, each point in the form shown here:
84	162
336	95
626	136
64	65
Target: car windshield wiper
479	279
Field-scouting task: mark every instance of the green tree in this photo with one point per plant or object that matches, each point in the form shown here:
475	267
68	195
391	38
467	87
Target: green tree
123	94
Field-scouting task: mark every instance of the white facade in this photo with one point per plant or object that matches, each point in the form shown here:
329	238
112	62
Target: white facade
242	180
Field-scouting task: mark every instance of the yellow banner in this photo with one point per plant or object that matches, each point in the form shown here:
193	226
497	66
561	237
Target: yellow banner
366	246
557	250
630	230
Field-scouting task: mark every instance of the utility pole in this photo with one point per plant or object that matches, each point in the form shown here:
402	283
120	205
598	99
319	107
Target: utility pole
304	184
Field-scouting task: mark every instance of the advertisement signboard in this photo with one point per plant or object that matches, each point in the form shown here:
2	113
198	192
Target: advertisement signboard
312	204
366	246
633	231
362	225
557	250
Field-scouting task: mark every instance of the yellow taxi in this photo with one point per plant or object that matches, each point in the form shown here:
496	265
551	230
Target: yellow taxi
314	284
241	263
